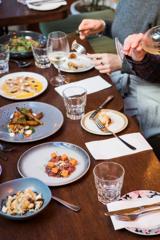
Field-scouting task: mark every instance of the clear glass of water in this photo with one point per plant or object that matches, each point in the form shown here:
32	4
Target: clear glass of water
41	57
4	58
75	101
108	178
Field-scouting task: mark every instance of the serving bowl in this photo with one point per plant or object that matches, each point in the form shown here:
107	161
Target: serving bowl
12	187
26	35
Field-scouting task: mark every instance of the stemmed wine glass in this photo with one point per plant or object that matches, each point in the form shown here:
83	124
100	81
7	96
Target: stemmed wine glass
57	50
151	40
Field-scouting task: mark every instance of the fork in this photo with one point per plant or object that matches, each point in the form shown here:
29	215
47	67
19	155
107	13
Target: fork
103	128
78	47
119	49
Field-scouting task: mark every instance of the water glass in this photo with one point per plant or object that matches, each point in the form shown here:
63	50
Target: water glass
41	57
4	58
108	178
75	102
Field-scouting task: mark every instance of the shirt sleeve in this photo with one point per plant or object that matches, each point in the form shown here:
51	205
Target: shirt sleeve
148	68
108	27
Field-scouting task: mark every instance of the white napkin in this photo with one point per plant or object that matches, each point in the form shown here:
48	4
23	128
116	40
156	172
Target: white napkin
113	147
144	221
45	6
92	84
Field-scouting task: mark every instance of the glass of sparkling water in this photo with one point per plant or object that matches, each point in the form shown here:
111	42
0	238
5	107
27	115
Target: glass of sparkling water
75	102
4	58
108	178
41	57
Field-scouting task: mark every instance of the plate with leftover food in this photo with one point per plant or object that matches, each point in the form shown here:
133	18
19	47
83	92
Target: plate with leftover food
111	119
152	228
57	164
20	43
23	198
22	85
29	121
76	63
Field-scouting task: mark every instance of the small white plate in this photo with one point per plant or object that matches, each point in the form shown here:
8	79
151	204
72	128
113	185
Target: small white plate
118	122
32	162
143	194
83	61
46	6
37	76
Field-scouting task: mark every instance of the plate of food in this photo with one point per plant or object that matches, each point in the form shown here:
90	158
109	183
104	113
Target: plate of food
76	63
20	43
22	85
23	198
29	121
152	228
111	119
58	163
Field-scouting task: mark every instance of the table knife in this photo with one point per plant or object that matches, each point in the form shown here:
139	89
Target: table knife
109	98
128	211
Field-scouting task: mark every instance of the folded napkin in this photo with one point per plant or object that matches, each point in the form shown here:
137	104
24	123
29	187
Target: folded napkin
144	221
44	5
93	84
113	147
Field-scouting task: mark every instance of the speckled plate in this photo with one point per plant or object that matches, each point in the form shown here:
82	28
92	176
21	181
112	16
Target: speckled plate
52	121
154	230
119	122
29	165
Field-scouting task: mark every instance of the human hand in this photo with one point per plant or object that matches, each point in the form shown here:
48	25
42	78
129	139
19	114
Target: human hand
90	27
133	47
106	62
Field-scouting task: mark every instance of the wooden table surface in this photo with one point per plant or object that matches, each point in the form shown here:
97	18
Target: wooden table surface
57	222
15	13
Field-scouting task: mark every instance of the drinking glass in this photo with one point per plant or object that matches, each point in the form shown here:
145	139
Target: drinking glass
108	178
151	40
4	58
57	50
41	57
75	102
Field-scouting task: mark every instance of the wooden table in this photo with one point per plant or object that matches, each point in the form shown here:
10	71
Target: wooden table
15	13
57	222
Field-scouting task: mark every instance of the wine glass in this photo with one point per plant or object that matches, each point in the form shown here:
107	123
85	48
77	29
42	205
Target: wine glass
151	40
57	50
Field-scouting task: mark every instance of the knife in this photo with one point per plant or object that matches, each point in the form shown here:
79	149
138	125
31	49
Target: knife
109	98
128	211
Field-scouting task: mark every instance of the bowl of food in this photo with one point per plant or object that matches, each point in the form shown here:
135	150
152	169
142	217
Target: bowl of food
23	198
20	43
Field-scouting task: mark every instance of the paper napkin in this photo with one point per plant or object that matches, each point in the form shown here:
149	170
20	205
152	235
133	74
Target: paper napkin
93	84
45	6
113	147
144	221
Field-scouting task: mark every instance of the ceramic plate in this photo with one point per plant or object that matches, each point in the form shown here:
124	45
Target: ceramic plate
29	165
46	6
118	122
82	62
52	121
20	184
22	95
141	194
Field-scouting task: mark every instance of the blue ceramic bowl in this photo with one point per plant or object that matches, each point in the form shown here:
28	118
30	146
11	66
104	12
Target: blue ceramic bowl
20	184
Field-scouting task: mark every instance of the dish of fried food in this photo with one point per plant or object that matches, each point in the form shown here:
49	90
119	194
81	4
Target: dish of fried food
60	165
23	121
104	118
74	65
22	202
22	44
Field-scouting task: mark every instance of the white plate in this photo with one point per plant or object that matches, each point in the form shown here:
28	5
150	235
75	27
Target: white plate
118	122
81	60
37	76
141	194
32	163
46	6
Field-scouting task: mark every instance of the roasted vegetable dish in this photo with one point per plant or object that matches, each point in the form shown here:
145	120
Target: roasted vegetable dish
22	44
60	166
23	121
22	202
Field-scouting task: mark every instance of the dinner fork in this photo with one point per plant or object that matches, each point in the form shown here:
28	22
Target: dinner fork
78	47
103	128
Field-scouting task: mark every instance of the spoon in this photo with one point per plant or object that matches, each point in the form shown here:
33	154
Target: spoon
21	64
66	204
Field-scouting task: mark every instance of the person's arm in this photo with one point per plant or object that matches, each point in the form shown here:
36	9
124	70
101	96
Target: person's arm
108	27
